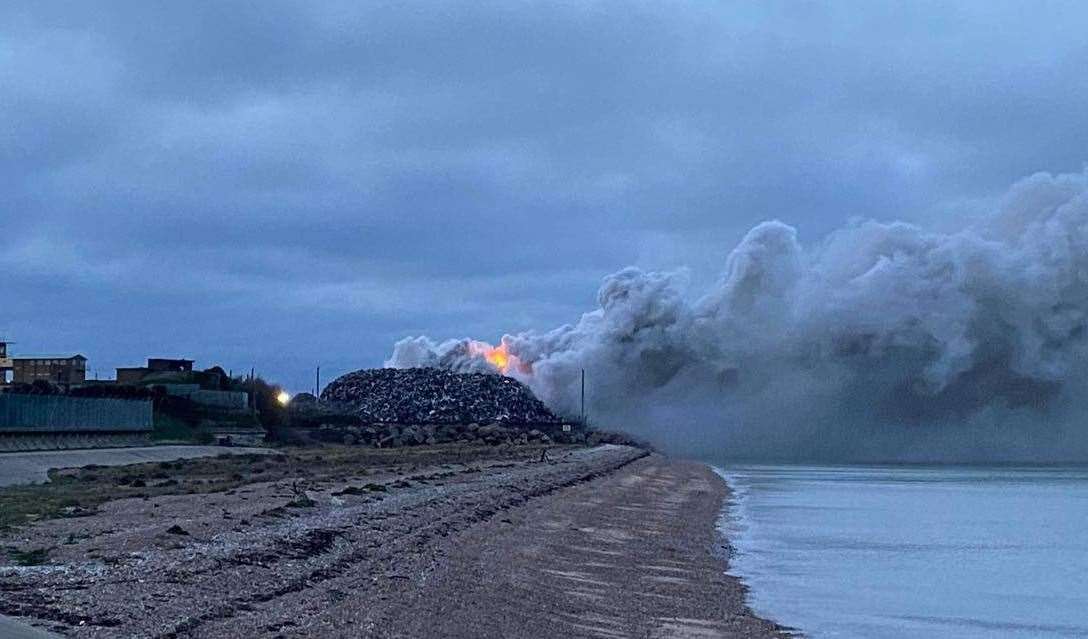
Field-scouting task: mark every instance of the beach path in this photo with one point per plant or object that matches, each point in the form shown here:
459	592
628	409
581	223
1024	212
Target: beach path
631	554
436	542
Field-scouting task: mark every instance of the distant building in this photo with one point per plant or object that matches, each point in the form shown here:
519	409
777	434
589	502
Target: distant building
135	375
5	363
160	365
131	376
63	370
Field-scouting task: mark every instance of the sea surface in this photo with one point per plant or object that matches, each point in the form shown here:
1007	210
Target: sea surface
907	551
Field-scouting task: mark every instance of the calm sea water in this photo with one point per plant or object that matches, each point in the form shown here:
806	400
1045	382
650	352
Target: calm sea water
889	552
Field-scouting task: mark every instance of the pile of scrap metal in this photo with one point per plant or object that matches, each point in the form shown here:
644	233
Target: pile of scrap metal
434	396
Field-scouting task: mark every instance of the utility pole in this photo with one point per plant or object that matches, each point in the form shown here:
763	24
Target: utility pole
583	397
317	387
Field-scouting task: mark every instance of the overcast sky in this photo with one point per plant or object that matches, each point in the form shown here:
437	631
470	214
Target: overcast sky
283	184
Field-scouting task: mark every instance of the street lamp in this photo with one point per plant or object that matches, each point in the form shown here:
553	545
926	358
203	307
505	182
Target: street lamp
283	398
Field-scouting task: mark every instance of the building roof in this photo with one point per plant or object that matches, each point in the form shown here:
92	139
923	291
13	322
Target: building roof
68	356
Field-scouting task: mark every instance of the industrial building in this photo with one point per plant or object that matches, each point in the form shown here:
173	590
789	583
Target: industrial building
61	370
156	365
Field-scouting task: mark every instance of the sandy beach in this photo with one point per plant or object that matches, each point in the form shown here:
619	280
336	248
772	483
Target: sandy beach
450	542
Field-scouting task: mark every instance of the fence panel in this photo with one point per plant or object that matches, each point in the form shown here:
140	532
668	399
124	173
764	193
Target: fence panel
60	413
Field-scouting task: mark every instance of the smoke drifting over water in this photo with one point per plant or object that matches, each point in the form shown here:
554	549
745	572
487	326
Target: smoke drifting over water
883	342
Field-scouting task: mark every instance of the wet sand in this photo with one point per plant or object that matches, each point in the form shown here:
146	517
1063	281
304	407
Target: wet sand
605	542
632	554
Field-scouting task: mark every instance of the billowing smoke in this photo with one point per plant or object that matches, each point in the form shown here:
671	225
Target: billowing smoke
884	342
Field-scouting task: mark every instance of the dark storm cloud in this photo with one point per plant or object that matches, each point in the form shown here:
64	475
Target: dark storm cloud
292	182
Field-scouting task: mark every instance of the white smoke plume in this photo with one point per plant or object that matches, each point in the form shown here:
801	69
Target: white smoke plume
885	342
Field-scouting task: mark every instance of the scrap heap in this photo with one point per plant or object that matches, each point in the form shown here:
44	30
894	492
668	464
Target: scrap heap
434	396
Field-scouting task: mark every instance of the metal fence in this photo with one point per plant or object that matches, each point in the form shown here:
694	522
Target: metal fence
63	414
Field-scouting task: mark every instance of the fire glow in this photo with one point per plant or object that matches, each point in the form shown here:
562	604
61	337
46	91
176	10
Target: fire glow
498	356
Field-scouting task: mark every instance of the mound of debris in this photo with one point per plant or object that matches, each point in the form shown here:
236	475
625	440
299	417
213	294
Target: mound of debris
434	396
395	436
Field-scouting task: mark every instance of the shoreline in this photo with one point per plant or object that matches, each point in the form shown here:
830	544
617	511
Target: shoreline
603	542
723	526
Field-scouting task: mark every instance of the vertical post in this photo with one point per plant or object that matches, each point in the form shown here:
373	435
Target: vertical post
583	397
317	388
253	389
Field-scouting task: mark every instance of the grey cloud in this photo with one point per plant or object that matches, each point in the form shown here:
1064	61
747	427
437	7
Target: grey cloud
413	158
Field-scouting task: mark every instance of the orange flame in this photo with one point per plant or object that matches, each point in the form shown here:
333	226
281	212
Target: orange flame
498	356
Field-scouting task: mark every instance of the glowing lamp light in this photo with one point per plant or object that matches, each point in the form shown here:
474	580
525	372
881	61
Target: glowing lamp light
283	398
